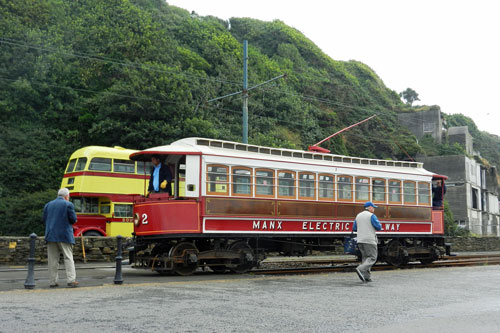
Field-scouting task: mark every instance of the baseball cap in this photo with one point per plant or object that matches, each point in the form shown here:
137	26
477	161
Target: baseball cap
370	204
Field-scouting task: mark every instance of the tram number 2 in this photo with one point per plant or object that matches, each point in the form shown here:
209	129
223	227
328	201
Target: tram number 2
145	218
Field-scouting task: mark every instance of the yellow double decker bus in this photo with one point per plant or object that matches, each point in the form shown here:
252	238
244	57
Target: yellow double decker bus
102	182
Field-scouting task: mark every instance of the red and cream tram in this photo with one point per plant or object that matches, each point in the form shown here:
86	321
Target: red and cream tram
240	201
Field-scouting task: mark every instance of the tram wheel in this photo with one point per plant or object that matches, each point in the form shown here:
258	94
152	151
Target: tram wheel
218	269
184	256
396	254
247	255
433	256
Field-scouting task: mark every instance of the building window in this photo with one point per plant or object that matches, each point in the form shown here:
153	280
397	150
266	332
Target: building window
286	184
424	194
409	192
125	166
475	198
344	186
326	186
217	179
242	181
378	188
307	188
394	191
362	189
264	183
100	164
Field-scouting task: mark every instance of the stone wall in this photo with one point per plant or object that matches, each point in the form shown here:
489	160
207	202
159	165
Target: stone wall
15	250
474	244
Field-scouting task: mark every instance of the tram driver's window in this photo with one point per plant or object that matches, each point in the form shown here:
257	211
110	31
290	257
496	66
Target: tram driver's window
378	189
242	181
71	165
100	164
264	183
80	164
394	191
362	189
286	184
217	179
326	187
409	192
424	194
344	185
307	188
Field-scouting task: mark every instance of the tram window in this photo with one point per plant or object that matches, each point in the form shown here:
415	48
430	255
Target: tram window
77	203
286	184
378	188
126	166
326	187
424	197
100	164
80	165
307	185
123	210
105	208
362	189
86	204
264	183
344	184
409	192
242	181
217	179
71	165
394	191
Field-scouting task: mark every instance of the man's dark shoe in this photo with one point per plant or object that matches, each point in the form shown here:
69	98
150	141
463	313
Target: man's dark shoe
368	280
73	284
55	285
361	277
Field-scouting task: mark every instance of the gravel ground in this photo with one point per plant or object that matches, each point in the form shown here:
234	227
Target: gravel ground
425	300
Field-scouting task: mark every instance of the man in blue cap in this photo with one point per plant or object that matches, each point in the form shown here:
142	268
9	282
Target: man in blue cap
365	224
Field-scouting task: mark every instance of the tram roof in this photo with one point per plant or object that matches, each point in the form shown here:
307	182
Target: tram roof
100	151
203	146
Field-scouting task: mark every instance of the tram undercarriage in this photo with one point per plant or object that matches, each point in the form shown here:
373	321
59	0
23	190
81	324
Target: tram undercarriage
183	256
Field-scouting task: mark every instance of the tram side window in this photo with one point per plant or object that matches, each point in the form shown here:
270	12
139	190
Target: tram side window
326	186
362	189
424	193
286	184
394	191
409	192
89	205
105	207
125	166
80	164
264	183
378	188
307	185
242	181
71	165
123	210
344	184
100	164
217	179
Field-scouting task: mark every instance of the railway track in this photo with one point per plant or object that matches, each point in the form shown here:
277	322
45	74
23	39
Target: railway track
325	266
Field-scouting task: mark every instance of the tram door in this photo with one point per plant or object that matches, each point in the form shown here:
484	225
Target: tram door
186	175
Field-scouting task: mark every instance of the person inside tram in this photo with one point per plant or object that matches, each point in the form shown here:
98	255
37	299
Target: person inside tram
161	177
438	192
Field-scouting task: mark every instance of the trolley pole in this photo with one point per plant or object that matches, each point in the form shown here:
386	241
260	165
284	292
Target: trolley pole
245	91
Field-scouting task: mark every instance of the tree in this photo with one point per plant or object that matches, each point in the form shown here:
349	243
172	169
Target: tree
409	95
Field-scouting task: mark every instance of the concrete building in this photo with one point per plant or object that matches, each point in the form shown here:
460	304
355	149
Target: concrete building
460	135
472	192
422	123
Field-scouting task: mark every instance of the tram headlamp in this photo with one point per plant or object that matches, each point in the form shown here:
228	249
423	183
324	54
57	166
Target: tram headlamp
136	219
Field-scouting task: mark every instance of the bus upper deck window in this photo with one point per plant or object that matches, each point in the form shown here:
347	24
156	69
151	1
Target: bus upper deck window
124	166
100	164
71	165
80	165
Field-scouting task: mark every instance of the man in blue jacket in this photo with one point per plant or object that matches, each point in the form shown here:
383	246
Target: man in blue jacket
365	224
58	217
161	177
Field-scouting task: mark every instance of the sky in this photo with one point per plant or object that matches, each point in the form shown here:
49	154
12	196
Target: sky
447	51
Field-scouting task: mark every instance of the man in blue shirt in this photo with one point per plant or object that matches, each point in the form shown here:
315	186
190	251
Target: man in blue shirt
58	217
161	177
365	224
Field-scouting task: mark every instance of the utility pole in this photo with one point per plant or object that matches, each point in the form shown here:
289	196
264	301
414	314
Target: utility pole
245	91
